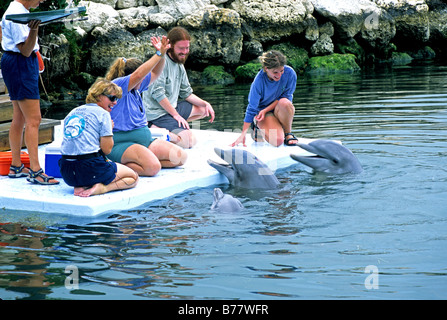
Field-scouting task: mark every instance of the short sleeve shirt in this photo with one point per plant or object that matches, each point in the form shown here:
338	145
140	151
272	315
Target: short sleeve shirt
129	114
83	128
14	33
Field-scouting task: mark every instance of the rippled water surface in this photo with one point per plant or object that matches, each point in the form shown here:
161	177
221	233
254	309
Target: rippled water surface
313	238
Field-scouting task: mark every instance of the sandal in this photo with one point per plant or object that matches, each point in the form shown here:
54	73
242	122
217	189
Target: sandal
18	171
46	179
287	141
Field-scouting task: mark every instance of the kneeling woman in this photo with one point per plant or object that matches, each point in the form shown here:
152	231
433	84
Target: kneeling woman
270	109
88	137
134	145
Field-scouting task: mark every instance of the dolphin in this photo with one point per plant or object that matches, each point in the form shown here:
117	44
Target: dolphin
225	202
330	157
244	169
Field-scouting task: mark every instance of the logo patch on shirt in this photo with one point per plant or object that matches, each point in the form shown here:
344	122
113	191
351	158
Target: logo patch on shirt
74	126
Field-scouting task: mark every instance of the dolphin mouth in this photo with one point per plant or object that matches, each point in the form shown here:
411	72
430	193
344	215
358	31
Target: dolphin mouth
314	153
315	159
328	156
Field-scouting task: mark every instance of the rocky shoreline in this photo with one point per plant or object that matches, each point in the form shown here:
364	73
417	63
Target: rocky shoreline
227	35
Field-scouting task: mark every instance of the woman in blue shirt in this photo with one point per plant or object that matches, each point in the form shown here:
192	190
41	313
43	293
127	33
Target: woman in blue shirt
270	109
134	146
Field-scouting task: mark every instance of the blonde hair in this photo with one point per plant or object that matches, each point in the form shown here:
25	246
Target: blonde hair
100	87
123	67
272	59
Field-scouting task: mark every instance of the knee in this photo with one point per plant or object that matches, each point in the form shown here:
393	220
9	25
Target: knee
286	105
134	176
177	156
278	141
152	169
187	139
33	122
131	178
275	137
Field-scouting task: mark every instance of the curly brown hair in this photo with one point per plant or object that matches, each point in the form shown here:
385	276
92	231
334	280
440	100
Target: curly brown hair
102	86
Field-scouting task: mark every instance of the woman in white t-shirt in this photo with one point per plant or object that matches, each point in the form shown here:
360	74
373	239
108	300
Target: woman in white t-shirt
20	69
88	138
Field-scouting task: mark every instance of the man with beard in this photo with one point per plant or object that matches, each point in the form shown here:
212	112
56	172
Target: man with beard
161	99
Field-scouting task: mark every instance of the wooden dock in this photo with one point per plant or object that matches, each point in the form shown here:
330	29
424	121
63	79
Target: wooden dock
46	129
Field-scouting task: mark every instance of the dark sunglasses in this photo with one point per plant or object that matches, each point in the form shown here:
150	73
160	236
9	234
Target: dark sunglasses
111	98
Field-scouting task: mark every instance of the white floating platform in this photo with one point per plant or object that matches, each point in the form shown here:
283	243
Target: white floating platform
19	194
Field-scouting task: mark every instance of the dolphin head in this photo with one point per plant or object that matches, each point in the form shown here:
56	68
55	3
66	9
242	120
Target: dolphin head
243	169
330	157
225	202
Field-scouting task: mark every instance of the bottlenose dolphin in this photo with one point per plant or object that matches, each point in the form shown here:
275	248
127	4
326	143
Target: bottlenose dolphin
225	202
330	157
244	169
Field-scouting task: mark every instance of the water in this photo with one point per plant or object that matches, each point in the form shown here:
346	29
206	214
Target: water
314	238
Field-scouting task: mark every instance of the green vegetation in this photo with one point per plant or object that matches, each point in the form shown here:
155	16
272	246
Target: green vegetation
247	72
400	58
334	63
216	75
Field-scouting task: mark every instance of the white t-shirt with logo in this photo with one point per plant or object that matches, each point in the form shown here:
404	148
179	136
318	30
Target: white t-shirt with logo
83	128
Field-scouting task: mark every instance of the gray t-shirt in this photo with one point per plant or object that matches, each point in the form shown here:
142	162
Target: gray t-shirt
173	84
83	128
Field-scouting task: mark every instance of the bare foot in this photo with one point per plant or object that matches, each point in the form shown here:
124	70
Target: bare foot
98	188
78	190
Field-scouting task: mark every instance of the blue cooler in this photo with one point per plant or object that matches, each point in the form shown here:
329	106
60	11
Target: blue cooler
160	133
52	156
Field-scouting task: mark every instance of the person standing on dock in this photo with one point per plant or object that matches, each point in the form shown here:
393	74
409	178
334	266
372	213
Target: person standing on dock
20	69
270	109
88	138
134	145
161	99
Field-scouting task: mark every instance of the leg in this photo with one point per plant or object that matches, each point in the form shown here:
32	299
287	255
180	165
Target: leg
16	134
126	178
169	155
284	112
30	109
197	113
185	139
142	160
271	130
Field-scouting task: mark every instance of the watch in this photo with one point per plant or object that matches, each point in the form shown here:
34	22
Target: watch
158	53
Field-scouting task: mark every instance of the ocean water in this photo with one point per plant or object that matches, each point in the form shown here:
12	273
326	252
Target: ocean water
380	234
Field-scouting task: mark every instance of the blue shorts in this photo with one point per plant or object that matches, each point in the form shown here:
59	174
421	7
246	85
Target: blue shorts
21	75
124	139
184	109
87	172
